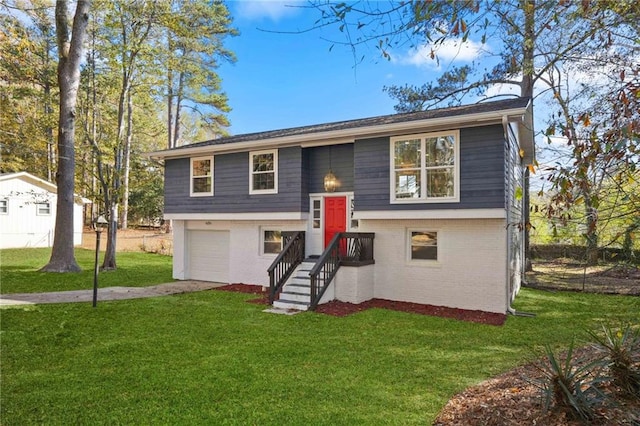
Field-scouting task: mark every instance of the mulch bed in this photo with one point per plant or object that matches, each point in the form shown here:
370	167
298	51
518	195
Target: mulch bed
514	398
341	309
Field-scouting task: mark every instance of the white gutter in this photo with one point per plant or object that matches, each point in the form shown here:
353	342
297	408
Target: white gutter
345	135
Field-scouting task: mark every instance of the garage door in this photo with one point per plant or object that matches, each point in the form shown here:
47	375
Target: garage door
209	256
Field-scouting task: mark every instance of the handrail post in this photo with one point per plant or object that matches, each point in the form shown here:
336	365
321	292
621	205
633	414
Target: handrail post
346	248
284	264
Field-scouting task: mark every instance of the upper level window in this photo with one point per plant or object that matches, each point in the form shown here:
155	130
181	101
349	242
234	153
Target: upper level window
4	206
43	209
263	172
425	168
201	176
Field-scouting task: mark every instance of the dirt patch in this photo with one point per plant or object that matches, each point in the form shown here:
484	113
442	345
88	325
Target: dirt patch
243	288
567	274
137	240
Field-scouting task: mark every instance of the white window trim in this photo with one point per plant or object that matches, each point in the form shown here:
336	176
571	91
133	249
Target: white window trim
263	230
275	172
38	213
423	174
6	206
422	262
200	194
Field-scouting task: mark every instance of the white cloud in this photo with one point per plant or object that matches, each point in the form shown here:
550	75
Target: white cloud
451	50
268	9
502	89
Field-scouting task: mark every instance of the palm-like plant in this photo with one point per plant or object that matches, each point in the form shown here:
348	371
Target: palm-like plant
570	383
621	356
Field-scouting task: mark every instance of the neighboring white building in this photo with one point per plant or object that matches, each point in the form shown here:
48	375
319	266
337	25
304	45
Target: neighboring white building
28	212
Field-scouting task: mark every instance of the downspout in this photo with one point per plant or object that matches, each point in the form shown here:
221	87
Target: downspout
510	309
505	126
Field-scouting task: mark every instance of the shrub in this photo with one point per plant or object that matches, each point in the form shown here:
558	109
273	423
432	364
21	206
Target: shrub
621	356
569	383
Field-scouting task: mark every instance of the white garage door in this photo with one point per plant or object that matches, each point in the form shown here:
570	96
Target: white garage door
209	256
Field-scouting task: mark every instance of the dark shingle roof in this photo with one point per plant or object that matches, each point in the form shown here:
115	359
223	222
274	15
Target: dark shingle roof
478	108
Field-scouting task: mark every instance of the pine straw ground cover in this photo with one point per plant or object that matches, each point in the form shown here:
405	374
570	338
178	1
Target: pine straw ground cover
513	398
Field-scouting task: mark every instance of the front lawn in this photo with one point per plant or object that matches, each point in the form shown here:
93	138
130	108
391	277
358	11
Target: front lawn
212	358
19	271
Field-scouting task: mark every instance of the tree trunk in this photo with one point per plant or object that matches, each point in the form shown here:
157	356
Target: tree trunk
127	164
591	233
70	53
48	111
109	262
178	96
170	142
526	90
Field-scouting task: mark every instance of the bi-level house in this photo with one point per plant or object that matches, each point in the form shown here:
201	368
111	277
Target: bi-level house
423	207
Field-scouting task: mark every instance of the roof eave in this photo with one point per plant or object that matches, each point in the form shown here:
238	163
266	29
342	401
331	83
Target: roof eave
347	135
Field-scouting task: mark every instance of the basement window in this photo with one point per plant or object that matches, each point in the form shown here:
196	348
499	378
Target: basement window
271	242
423	245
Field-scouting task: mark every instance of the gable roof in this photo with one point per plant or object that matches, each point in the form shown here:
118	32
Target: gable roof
34	180
41	183
513	110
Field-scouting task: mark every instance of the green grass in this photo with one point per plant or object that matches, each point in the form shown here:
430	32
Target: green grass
19	271
212	358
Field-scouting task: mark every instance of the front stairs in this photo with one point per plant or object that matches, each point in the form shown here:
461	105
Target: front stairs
296	292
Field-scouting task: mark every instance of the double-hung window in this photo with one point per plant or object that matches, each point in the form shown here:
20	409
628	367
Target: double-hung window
4	206
43	209
425	168
263	172
201	176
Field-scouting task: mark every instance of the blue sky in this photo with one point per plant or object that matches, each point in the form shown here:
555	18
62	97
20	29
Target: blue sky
289	80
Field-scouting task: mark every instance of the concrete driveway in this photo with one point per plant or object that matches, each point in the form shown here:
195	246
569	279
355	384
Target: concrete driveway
108	293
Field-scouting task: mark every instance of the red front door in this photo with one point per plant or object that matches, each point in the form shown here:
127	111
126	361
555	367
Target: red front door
335	217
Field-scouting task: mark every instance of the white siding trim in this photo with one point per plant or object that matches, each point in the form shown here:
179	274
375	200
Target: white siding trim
238	216
432	214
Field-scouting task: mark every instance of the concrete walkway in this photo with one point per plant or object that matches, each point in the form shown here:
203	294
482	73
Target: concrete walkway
108	293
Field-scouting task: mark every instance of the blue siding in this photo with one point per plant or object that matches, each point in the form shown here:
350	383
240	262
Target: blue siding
231	186
481	173
362	167
338	157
